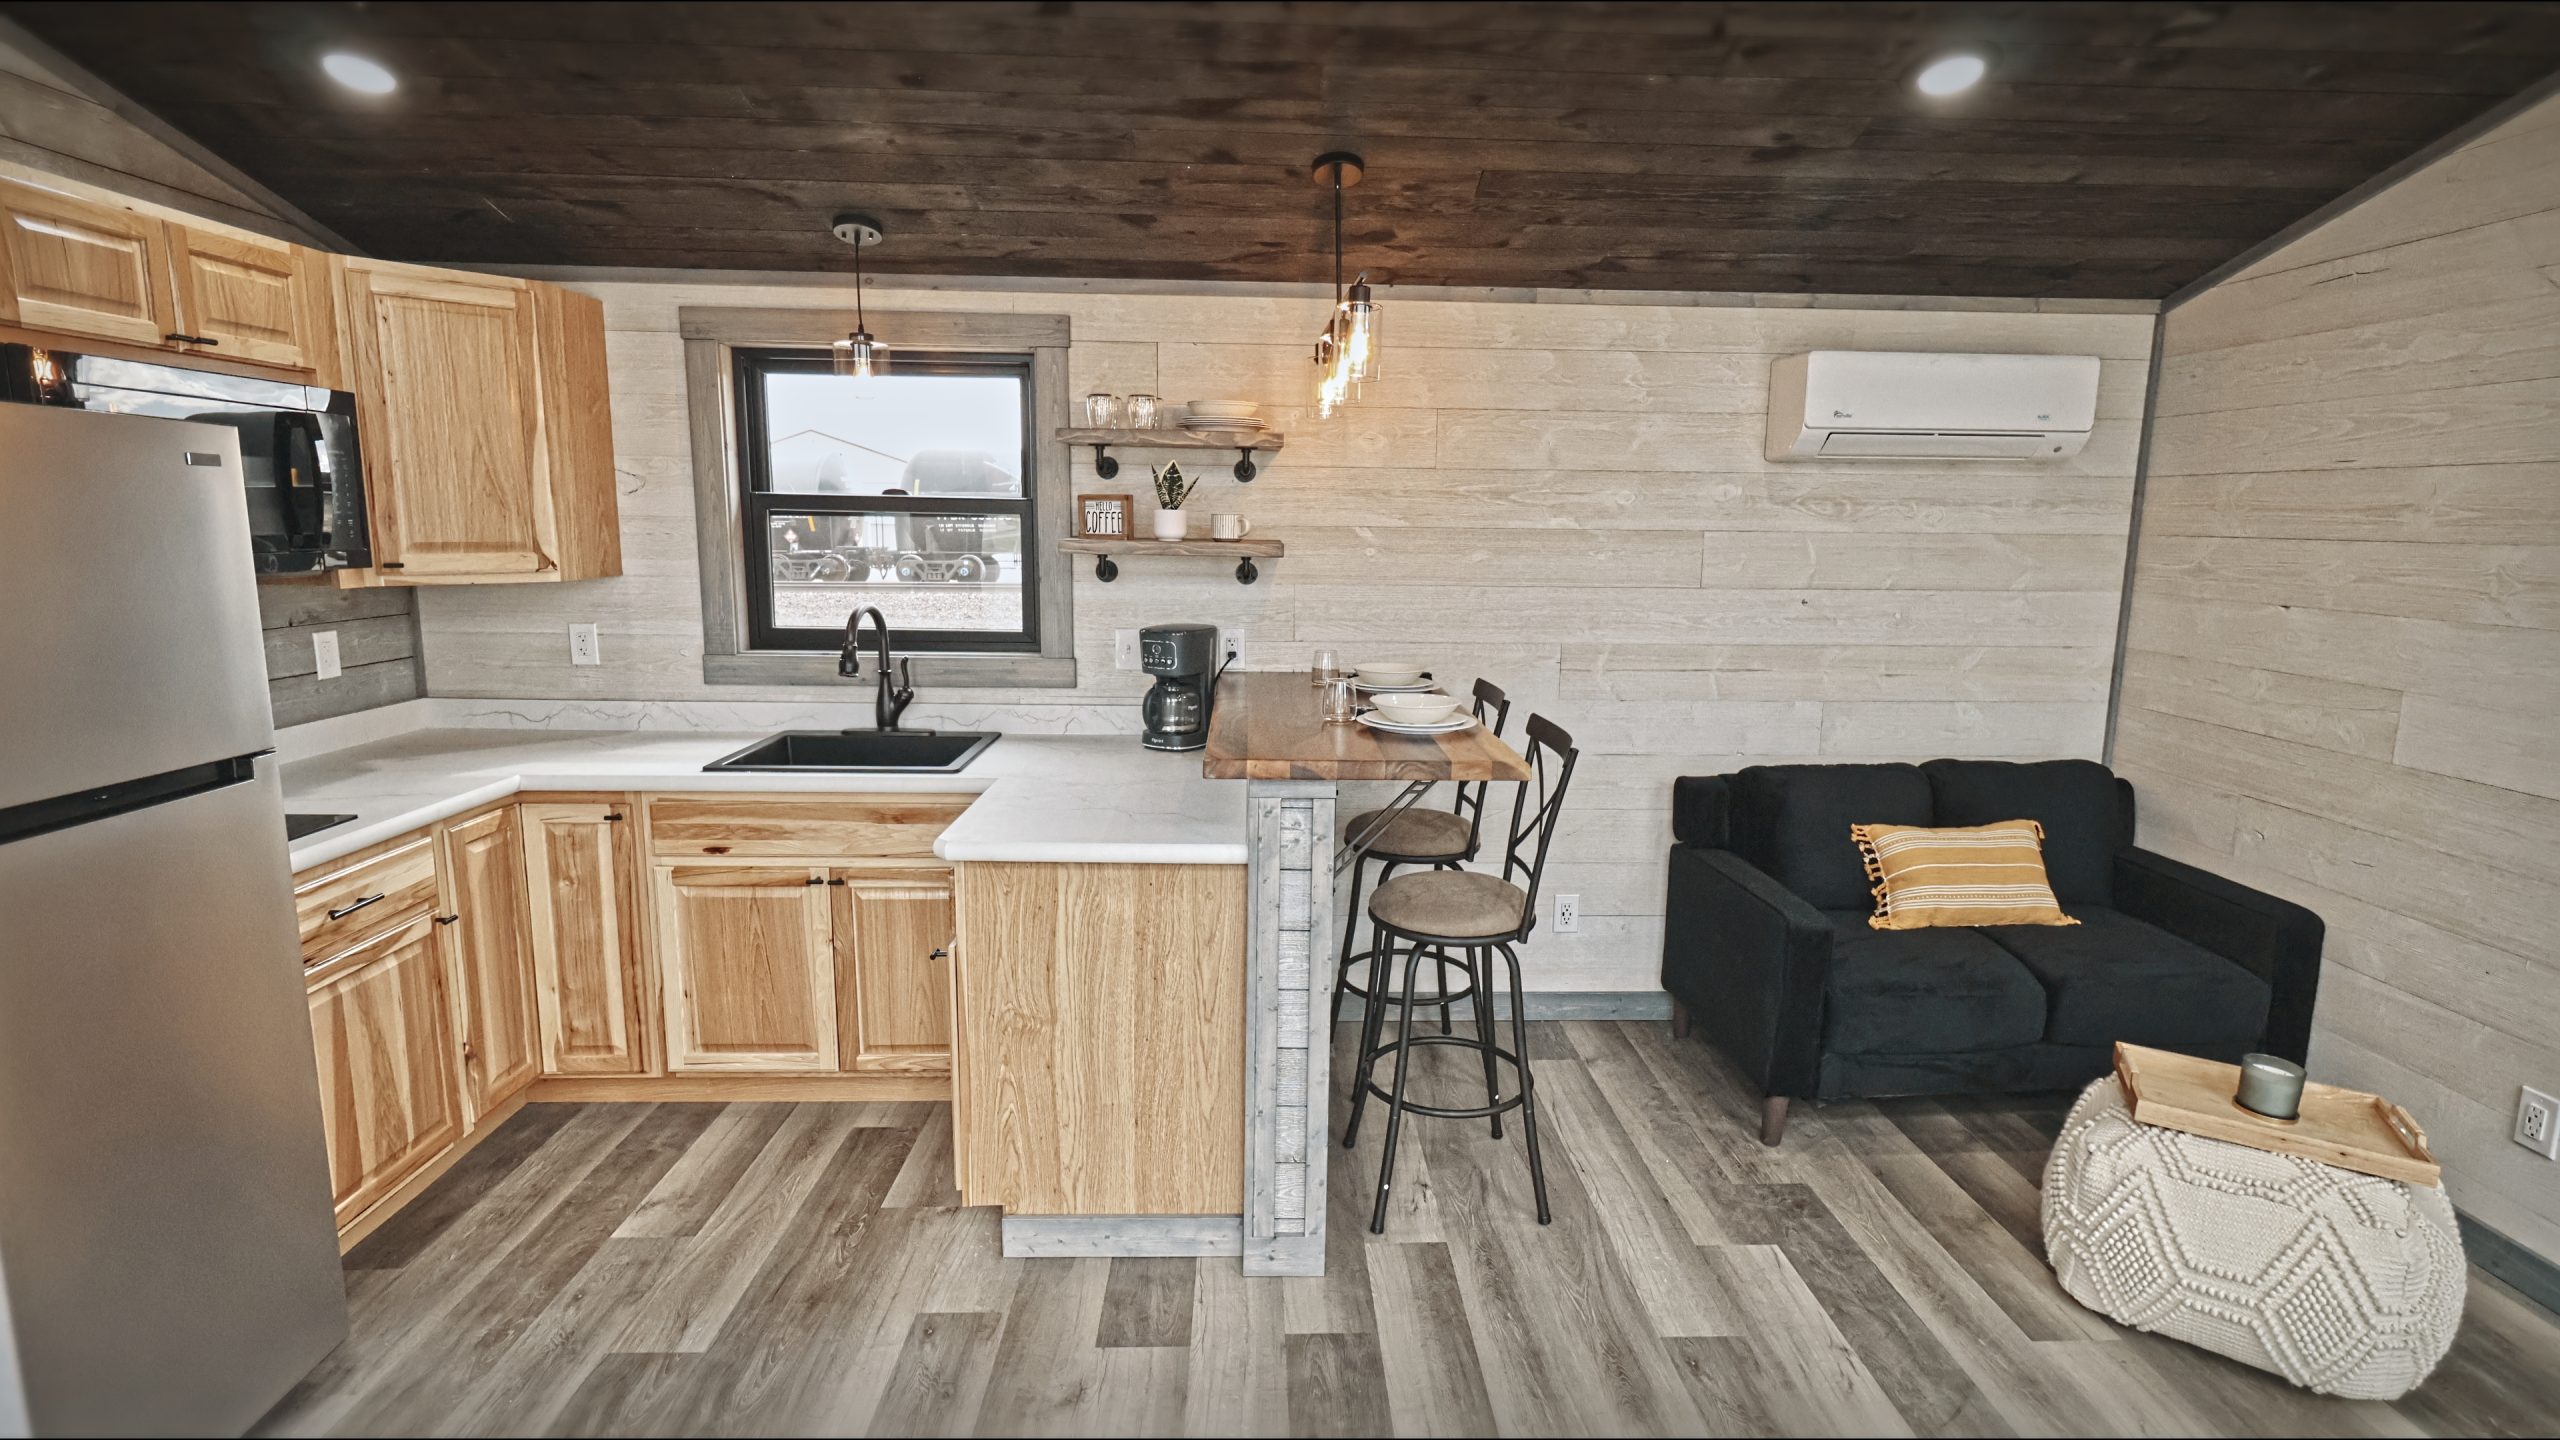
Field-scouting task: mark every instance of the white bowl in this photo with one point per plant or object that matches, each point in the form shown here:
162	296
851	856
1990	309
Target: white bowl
1414	707
1388	672
1223	410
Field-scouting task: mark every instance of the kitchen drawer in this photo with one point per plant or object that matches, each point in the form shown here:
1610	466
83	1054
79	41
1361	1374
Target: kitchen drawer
339	905
832	827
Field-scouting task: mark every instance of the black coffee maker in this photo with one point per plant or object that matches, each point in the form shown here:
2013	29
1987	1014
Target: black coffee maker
1184	660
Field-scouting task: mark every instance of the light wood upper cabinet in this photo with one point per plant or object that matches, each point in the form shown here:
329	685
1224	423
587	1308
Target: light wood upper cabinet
590	995
445	403
382	1031
893	934
84	269
248	300
747	967
484	922
488	437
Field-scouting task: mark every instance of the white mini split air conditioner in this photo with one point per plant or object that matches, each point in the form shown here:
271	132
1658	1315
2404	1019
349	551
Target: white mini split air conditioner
1901	405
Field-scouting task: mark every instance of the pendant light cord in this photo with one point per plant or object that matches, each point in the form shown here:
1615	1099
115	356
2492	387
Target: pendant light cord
1337	235
858	324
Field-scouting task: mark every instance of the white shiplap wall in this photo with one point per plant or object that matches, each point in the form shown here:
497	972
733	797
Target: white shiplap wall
2344	655
1568	498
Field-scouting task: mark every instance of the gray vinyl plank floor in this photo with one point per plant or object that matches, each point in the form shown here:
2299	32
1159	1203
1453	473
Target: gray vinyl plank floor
762	1269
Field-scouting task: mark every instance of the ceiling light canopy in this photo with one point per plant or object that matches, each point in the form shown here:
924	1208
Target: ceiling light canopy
1951	75
358	73
1347	351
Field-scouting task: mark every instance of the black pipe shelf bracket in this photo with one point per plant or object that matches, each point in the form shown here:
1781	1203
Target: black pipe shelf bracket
1107	465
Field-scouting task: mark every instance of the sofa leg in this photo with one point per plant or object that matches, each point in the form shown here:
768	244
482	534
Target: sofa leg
1773	1119
1679	1019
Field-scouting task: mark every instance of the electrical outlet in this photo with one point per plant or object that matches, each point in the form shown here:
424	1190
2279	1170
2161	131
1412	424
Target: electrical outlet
1234	642
324	651
1568	914
584	647
2538	1123
1124	649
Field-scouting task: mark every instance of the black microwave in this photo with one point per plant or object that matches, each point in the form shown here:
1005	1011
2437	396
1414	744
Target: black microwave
298	455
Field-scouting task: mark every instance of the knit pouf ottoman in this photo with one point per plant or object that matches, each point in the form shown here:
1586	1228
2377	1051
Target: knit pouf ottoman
2339	1282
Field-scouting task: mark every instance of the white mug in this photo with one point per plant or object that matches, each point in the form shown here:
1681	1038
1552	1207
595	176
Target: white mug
1172	525
1229	527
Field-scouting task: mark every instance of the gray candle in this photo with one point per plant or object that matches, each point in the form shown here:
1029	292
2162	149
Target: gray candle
2270	1085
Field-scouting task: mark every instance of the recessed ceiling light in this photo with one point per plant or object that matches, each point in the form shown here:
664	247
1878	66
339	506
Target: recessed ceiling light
365	77
1952	75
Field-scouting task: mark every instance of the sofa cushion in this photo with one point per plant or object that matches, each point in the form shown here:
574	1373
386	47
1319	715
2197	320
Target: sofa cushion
1924	992
1793	822
2112	977
2076	801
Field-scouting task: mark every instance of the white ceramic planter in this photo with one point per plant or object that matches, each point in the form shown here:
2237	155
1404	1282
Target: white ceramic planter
1172	525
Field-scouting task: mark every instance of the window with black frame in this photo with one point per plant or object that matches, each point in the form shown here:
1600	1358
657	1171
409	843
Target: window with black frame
909	490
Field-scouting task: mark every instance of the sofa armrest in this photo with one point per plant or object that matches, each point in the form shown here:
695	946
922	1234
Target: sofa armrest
2274	939
1749	958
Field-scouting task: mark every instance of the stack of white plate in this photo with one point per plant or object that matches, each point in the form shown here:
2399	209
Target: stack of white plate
1223	418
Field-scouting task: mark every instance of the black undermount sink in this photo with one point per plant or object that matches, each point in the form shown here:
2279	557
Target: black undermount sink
938	752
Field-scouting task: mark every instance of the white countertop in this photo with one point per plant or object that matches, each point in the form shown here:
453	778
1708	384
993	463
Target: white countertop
1055	798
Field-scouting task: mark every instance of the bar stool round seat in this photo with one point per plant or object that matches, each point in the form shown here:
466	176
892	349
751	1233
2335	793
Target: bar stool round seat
1416	836
1450	906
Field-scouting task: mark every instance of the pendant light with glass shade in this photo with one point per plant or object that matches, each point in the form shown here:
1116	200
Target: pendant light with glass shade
1347	351
858	355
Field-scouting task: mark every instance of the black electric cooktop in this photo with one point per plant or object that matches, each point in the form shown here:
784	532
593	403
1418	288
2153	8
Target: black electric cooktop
297	826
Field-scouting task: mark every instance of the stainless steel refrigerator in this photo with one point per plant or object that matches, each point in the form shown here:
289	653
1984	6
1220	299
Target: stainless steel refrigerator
168	1255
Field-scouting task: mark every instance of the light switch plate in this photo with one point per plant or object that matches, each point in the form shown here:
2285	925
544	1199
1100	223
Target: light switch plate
1124	649
2538	1123
324	653
584	647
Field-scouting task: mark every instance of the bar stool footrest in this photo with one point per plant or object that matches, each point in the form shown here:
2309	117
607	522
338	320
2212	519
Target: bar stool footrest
1365	957
1475	1112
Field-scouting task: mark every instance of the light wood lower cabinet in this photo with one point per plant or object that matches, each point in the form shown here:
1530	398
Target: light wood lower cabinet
894	935
747	966
382	1031
1101	1030
485	926
589	994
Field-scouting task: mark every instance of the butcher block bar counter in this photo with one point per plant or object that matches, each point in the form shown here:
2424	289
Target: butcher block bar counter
1271	727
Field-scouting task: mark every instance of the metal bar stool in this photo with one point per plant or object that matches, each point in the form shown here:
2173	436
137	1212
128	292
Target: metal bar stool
1482	915
1441	839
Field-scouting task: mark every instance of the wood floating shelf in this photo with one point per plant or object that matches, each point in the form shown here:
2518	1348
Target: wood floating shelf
1169	439
1106	570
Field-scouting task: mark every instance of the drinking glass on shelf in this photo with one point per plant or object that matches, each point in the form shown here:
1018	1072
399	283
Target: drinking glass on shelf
1142	412
1337	700
1326	663
1100	409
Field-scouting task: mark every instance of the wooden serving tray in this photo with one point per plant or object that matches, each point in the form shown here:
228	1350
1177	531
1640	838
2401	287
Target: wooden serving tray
2341	1127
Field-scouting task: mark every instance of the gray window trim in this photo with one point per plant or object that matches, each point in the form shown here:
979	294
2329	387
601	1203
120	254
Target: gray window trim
710	331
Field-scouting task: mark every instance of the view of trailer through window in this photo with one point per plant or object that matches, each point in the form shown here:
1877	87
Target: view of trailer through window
906	490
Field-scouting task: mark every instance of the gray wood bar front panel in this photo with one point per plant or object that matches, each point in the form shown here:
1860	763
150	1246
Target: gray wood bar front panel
1286	1062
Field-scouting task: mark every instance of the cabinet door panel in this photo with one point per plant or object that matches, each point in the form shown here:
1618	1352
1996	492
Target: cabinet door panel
587	992
748	973
246	296
893	935
382	1031
501	1042
86	269
444	392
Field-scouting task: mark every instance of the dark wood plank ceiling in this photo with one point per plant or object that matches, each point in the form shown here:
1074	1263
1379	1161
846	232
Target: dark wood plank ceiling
2115	150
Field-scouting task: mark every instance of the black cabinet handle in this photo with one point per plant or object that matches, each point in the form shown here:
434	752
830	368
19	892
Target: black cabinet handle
938	953
177	338
343	911
613	817
447	919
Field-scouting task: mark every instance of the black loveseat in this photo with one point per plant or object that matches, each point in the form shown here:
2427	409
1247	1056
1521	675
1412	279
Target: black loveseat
1766	946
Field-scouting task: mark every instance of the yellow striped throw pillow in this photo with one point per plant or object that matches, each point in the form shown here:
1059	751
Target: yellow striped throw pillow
1976	875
